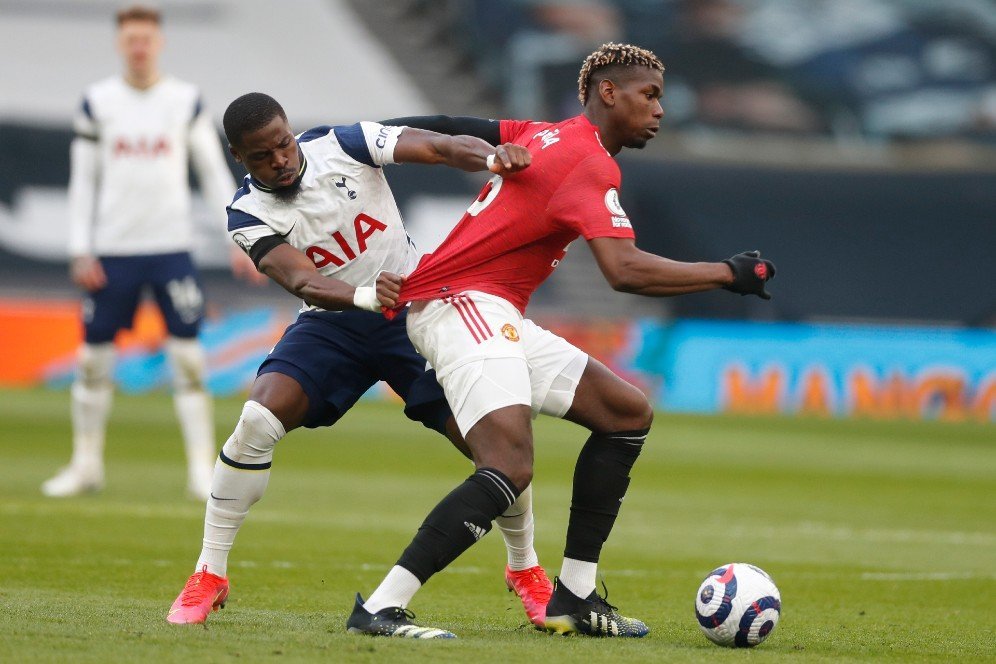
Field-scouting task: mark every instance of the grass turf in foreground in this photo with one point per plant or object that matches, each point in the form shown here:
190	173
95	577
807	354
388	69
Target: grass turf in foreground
880	536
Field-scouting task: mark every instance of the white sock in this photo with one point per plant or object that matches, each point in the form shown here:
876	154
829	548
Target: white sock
234	490
578	576
397	589
193	409
91	396
516	526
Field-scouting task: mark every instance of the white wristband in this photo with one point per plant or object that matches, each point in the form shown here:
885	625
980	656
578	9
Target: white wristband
490	161
365	297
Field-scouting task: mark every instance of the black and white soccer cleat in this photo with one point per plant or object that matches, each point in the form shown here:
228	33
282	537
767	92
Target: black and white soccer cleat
593	616
392	621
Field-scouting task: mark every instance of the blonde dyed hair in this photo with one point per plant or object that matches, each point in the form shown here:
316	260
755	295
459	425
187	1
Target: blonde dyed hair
607	55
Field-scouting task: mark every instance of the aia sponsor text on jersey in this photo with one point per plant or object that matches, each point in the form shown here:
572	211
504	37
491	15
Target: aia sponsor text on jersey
363	227
149	147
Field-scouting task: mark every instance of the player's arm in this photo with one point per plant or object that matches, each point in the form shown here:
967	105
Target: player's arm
631	270
467	153
297	274
486	130
84	173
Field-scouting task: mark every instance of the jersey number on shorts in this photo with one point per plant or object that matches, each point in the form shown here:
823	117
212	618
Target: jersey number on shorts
187	298
364	226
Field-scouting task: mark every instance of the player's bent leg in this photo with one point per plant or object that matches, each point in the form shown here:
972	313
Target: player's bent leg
194	411
91	396
465	515
524	575
603	402
619	416
240	478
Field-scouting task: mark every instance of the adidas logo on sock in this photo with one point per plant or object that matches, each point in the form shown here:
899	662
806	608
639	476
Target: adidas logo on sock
475	530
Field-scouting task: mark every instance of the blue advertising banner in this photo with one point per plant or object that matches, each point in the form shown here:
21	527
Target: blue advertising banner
832	370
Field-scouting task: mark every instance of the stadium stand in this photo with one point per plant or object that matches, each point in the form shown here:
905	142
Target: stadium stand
871	174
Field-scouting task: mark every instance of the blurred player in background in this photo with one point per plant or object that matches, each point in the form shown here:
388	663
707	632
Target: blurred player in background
131	229
498	369
317	216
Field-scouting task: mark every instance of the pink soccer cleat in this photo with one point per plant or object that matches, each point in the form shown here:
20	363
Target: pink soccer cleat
204	593
534	589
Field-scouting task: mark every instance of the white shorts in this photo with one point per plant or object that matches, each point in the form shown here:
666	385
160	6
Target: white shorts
487	356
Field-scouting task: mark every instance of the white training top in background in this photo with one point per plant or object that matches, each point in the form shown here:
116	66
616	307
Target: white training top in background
129	192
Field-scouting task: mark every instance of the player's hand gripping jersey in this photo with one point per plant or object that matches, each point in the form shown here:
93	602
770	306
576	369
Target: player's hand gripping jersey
516	232
343	216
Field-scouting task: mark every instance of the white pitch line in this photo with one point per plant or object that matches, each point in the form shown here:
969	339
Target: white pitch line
925	576
843	533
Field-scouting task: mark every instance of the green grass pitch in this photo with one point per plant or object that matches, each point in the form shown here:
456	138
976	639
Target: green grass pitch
881	537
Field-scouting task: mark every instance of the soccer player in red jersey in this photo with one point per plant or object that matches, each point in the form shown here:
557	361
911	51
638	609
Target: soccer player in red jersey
498	369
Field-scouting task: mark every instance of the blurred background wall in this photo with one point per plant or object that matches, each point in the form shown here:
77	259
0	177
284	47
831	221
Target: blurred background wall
852	141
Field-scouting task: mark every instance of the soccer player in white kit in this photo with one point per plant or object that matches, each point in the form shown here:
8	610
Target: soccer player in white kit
131	229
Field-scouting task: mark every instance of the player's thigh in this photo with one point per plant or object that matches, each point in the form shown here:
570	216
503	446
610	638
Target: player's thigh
605	403
112	308
283	396
327	357
178	292
479	369
555	369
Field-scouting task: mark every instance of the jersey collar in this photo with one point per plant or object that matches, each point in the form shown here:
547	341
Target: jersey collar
594	130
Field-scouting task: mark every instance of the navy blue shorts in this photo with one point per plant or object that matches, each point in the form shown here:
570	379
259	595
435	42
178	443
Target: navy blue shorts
174	284
337	356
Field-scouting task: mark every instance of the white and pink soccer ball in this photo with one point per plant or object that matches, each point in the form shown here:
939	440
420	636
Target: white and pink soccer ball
738	605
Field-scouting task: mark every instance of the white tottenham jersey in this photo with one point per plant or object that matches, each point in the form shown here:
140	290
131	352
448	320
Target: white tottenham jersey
343	216
129	191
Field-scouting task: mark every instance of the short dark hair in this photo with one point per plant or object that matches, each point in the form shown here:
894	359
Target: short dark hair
139	13
250	112
610	56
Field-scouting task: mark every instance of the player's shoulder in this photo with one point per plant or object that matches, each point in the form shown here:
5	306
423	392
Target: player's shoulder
315	133
246	209
105	88
339	132
242	191
574	144
354	142
179	90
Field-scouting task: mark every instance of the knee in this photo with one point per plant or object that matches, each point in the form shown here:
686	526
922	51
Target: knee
644	414
633	413
521	476
186	357
518	471
515	461
254	437
96	365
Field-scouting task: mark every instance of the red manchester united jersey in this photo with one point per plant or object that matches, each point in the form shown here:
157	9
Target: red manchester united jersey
516	232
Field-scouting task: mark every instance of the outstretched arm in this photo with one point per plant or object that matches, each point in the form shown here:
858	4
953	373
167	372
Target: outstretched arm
464	152
631	270
486	130
297	274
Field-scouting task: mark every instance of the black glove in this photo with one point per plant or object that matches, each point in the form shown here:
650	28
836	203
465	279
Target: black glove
750	273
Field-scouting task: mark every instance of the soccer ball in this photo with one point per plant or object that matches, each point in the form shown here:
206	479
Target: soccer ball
738	605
